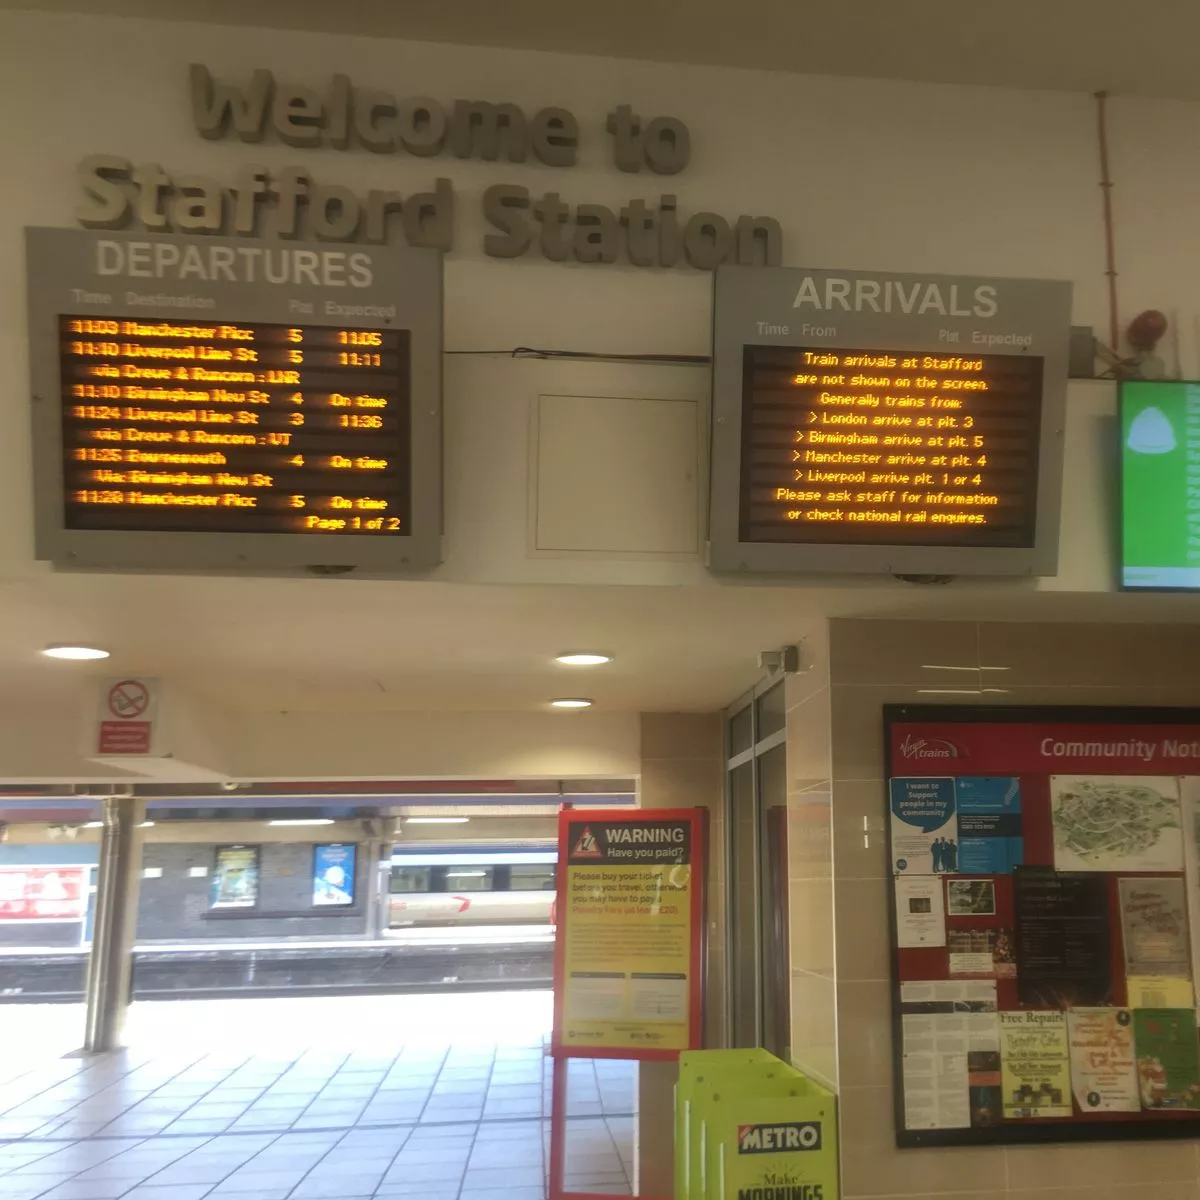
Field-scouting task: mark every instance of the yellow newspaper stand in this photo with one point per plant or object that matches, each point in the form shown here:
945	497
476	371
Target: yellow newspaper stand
750	1127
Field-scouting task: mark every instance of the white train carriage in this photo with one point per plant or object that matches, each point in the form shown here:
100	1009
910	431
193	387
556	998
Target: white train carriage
464	886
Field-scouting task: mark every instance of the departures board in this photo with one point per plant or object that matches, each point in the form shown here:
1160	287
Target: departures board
204	402
886	423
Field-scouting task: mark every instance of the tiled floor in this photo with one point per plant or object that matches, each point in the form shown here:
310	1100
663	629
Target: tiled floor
342	1099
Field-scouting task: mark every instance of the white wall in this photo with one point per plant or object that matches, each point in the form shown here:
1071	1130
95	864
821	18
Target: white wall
861	174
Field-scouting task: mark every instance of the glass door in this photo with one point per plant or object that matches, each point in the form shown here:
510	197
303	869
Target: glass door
756	817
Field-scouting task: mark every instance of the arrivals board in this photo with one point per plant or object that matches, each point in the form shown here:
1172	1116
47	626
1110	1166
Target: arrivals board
1045	917
886	423
203	401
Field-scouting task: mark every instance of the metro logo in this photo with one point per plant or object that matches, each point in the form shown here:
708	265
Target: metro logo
776	1139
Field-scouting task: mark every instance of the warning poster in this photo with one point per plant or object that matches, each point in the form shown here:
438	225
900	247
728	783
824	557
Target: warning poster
627	978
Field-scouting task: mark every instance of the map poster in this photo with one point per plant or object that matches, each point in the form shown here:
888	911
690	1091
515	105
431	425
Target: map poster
920	911
627	945
1168	1057
1155	927
924	832
1116	823
1062	939
989	824
1103	1074
1035	1065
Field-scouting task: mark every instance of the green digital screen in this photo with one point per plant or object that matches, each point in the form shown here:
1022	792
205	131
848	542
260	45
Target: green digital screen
1160	485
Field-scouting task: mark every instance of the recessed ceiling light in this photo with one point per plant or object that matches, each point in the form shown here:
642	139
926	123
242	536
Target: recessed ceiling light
580	659
571	702
436	820
74	652
302	821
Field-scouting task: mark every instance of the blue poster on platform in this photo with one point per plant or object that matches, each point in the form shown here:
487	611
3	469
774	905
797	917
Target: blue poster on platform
333	874
990	839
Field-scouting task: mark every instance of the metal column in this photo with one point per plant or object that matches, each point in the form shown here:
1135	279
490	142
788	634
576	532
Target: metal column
110	967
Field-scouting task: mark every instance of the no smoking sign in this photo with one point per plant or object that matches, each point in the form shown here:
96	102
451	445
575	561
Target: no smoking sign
125	722
128	699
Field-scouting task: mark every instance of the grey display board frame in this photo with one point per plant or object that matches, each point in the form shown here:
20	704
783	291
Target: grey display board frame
759	307
404	292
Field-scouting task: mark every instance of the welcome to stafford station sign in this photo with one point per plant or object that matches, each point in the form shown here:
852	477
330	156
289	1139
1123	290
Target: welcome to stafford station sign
289	203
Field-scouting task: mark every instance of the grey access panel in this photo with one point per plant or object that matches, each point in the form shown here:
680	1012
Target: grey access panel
71	271
758	307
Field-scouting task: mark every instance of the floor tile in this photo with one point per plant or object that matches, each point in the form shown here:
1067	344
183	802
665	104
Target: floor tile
176	1192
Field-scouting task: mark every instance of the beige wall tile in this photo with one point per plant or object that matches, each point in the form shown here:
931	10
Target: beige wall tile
857	713
1120	1165
808	744
682	735
810	836
864	1013
814	1025
873	652
1179	658
1089	695
872	1166
998	1195
682	782
810	925
861	915
1185	694
1070	653
655	1128
1156	1191
814	660
860	829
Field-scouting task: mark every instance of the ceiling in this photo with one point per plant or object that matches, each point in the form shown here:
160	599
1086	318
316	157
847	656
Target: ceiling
269	644
1148	48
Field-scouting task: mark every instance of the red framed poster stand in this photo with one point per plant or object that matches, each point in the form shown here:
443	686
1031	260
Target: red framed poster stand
617	869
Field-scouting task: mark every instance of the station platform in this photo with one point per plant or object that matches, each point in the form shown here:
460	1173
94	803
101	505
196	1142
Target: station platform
443	1097
517	956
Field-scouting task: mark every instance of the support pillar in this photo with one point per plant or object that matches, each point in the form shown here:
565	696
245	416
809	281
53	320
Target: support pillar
682	767
110	966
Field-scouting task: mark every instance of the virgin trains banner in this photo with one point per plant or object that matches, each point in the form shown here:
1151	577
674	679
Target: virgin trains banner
938	747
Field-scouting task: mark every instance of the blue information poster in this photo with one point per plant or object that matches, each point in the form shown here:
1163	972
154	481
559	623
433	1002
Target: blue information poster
923	828
333	874
989	824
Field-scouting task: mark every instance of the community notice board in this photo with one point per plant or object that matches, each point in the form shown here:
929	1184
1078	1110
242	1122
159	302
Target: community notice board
1045	909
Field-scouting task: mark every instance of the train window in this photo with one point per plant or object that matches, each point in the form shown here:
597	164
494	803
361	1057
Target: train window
469	878
532	877
410	879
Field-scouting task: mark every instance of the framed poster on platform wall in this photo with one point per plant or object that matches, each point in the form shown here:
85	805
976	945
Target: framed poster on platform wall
1045	923
235	878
